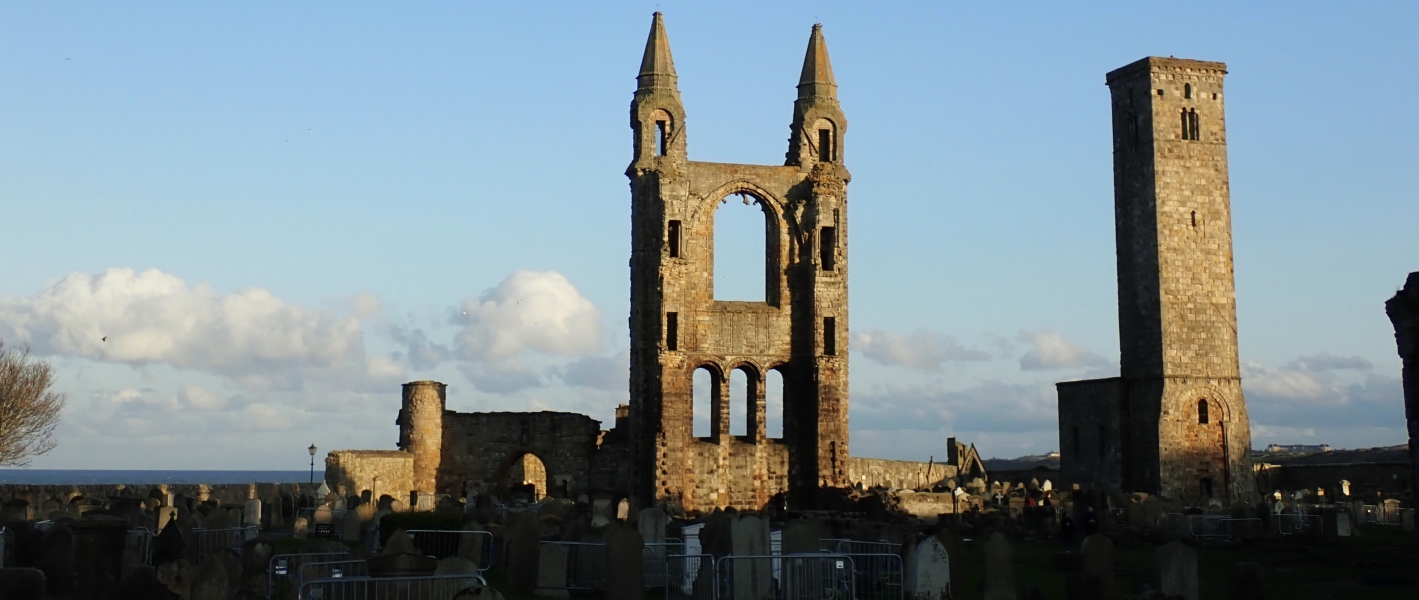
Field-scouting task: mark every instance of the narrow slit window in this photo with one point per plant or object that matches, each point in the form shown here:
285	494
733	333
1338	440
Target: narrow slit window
825	145
672	331
830	336
662	137
1193	125
1187	91
1202	411
1194	219
672	239
827	250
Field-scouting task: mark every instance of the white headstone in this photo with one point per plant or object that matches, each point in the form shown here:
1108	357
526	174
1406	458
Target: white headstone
1047	486
251	513
929	572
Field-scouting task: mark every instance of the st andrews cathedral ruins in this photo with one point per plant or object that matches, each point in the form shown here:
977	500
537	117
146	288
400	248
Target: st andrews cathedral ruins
1173	423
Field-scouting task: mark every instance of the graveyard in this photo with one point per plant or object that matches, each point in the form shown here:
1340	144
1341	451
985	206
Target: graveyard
1157	496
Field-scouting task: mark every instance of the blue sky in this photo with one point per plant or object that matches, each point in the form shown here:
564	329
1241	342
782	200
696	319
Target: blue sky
278	213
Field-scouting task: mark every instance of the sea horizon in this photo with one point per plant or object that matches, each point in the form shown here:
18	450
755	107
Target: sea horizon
151	476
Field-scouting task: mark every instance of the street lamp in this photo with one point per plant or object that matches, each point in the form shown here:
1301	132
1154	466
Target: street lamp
312	464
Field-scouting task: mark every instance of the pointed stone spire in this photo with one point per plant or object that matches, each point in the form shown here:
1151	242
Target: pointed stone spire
657	68
817	77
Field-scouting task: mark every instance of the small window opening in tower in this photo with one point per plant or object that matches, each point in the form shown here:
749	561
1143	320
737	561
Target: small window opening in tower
1194	219
1214	96
702	397
1187	91
825	145
741	259
773	404
1202	411
1195	128
1160	92
672	331
662	137
741	387
830	336
827	247
672	239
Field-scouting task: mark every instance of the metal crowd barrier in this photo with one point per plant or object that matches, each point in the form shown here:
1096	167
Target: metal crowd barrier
586	565
431	587
284	568
335	569
213	541
689	577
653	558
801	577
140	544
337	521
1389	515
443	543
1294	523
857	547
878	576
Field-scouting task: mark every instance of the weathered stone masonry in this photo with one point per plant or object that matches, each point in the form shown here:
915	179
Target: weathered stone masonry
677	326
1175	421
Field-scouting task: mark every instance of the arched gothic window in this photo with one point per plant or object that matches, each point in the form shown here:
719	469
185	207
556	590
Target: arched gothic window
1202	411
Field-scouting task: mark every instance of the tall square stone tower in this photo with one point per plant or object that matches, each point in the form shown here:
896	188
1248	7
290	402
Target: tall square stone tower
677	325
1175	421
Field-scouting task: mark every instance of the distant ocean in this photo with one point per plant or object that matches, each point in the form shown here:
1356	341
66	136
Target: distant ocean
99	477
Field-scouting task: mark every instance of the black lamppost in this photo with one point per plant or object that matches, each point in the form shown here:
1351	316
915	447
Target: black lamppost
312	464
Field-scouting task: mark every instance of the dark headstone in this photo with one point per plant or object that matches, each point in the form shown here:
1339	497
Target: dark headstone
524	541
625	571
22	584
98	557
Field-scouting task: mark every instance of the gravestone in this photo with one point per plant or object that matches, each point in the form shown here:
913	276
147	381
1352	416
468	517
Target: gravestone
1406	519
17	510
955	549
299	528
999	568
651	523
166	514
523	551
1098	563
802	536
22	584
456	566
350	528
1153	508
1175	570
625	570
601	512
209	581
753	578
1247	582
552	572
251	513
929	572
717	536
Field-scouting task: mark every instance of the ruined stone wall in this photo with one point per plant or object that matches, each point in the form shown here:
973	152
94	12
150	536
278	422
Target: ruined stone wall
1090	433
483	448
1392	479
229	494
900	474
677	325
738	473
379	471
1403	311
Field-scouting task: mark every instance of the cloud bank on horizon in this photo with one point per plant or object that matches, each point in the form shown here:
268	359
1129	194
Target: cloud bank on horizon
216	367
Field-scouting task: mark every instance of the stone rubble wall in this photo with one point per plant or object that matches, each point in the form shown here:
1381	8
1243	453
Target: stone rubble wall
381	472
899	474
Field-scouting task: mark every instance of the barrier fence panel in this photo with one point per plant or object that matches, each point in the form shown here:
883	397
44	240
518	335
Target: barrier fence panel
653	558
815	577
336	522
1389	515
432	587
879	576
859	547
1293	524
443	543
689	577
214	541
139	545
586	565
335	569
283	569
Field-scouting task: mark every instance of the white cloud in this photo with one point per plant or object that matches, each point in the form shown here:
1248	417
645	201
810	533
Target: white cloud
500	377
250	337
609	373
1049	350
530	310
1325	362
922	350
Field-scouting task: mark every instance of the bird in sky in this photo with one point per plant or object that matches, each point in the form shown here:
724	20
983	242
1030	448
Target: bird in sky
105	338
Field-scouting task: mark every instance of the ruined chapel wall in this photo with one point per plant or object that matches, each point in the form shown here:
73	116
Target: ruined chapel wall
482	448
901	474
381	472
1090	422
